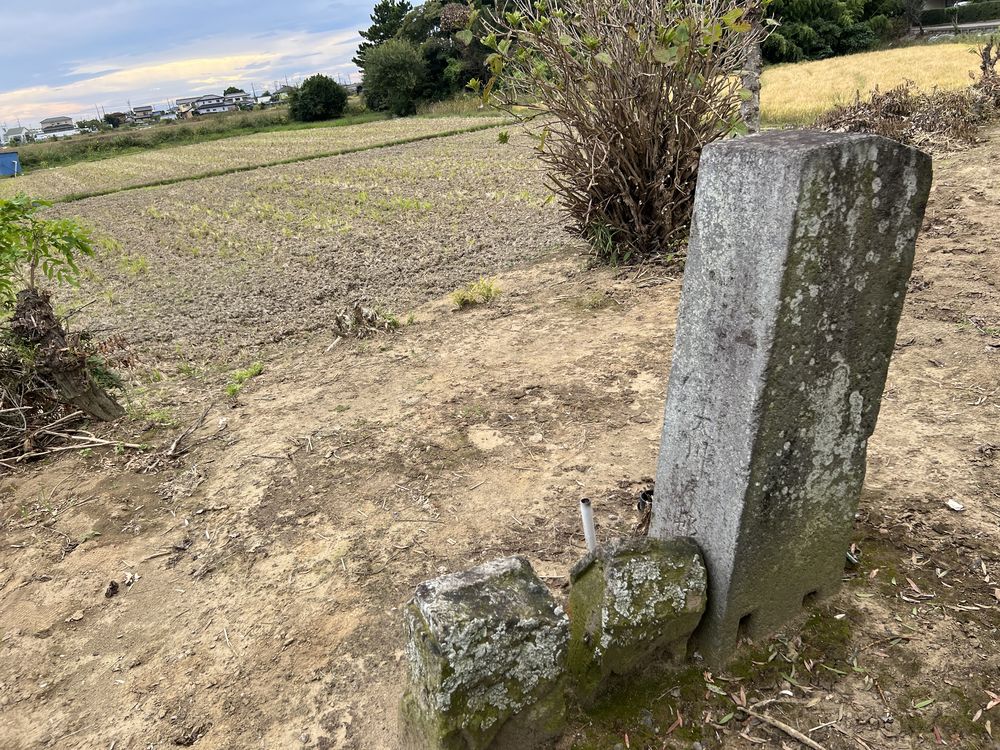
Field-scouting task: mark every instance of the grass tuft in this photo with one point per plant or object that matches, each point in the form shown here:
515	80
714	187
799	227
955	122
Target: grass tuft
240	378
480	292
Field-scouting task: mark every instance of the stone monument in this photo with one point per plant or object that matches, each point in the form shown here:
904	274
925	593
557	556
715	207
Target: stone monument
801	248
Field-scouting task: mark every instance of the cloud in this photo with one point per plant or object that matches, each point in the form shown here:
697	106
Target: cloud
206	64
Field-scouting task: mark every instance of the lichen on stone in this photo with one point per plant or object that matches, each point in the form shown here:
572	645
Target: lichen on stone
632	601
482	646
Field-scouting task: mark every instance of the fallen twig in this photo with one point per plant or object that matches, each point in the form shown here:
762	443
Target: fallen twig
172	450
791	731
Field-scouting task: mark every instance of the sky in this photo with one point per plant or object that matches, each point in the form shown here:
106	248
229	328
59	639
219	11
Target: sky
66	57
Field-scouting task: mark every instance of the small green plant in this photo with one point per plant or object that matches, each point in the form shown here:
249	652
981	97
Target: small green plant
162	418
480	292
593	301
189	370
133	265
604	239
29	244
239	378
503	137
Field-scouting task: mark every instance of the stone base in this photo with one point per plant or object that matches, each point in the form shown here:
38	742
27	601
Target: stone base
486	650
633	602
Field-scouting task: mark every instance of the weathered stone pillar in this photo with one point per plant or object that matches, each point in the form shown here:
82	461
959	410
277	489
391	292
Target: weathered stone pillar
801	247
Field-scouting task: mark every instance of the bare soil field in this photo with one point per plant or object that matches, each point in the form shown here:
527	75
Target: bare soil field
219	268
240	152
260	567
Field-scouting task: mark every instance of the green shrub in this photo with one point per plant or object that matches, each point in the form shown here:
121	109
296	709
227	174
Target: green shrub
318	98
982	11
394	77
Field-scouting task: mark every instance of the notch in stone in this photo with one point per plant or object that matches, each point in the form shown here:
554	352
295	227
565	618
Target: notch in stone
801	247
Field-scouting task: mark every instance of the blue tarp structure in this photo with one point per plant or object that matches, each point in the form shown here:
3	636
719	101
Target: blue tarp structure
10	165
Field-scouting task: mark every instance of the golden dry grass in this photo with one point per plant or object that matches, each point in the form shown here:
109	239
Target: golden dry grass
800	92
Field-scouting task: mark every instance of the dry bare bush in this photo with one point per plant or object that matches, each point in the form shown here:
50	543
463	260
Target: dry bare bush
631	93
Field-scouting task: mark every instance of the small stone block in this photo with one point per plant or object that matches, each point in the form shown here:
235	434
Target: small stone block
633	602
486	651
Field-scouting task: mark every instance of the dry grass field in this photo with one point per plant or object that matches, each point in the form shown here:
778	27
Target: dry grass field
214	157
798	93
261	566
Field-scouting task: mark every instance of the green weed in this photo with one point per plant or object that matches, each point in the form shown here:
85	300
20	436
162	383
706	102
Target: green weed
240	378
133	265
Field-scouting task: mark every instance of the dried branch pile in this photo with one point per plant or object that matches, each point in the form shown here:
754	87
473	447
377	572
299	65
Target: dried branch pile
937	120
362	322
50	380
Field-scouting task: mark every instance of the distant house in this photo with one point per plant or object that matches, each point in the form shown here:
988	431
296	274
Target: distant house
55	127
59	124
210	104
15	136
239	98
146	113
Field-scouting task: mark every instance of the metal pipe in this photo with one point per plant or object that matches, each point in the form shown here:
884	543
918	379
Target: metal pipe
589	533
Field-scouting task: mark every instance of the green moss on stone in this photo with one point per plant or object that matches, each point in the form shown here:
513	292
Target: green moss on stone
633	602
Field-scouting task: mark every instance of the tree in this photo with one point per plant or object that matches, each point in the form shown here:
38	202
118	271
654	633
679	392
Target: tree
447	35
394	77
32	248
90	124
387	19
812	30
750	108
626	114
318	98
114	119
913	10
233	90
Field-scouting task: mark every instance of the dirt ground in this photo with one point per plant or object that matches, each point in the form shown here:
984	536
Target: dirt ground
261	572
